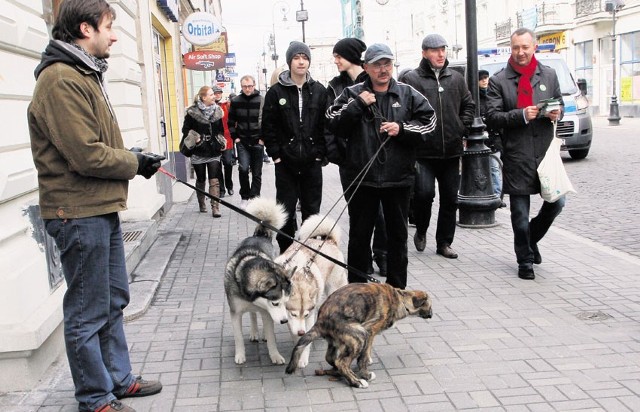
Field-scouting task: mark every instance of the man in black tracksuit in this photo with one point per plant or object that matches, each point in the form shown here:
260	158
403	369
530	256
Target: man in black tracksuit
382	119
439	158
293	132
244	127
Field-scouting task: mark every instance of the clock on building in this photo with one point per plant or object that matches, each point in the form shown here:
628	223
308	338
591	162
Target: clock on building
382	2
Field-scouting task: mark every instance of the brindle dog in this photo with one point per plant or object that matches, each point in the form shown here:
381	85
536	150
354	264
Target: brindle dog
349	320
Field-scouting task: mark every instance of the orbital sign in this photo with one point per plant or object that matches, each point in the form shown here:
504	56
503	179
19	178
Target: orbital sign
201	28
203	60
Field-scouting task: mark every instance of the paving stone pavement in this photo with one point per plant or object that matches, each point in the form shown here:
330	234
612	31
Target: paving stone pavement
569	340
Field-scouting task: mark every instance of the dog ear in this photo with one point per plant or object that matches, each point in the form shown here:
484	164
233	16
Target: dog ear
420	300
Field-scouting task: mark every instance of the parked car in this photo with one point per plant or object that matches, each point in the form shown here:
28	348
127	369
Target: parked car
575	128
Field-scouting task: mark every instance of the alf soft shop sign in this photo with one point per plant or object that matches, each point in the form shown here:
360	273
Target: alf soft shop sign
203	60
201	28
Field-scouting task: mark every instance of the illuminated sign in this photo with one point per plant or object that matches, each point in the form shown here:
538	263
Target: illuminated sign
201	28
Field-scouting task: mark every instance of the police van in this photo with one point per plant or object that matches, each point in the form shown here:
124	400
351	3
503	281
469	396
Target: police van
575	128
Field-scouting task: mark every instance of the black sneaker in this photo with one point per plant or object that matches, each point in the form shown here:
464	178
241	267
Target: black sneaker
526	273
140	388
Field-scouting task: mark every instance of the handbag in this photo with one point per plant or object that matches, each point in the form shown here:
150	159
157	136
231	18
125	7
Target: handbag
222	141
554	182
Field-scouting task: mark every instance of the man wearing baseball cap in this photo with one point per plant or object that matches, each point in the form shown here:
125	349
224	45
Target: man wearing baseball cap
439	158
383	120
293	132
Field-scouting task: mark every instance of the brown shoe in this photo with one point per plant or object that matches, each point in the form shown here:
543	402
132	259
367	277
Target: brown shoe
115	405
446	251
140	387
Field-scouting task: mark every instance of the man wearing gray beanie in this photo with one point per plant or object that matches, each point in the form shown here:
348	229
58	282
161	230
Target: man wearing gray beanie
439	158
293	133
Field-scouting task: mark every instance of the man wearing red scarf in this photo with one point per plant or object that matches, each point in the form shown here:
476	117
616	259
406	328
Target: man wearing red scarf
526	134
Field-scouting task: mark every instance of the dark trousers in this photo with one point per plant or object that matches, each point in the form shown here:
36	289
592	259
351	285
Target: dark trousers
379	247
293	184
447	173
250	158
363	212
227	163
527	233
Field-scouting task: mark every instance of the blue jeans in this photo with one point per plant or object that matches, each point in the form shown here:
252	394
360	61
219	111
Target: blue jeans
447	172
528	233
93	262
250	157
496	174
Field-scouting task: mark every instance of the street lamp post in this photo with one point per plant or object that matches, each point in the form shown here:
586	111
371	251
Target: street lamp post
476	198
302	15
613	6
284	8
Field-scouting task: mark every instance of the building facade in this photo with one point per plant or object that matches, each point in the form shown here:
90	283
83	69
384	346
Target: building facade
149	89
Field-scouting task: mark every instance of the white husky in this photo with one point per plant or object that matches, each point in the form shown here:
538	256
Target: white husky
314	277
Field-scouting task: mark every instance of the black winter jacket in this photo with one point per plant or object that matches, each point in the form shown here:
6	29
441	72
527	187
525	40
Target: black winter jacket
523	144
337	148
208	129
296	142
245	113
453	104
351	120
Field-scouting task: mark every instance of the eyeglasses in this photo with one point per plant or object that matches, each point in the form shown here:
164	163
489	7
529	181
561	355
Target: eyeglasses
247	86
379	66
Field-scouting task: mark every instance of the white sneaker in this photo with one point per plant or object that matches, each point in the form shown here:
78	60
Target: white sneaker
243	204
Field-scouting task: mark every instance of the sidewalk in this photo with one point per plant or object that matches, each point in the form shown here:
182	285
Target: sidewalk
569	340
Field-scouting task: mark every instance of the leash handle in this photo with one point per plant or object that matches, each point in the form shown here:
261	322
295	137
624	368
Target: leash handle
273	228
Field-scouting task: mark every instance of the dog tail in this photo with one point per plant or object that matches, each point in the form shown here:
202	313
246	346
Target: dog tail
320	226
303	342
268	211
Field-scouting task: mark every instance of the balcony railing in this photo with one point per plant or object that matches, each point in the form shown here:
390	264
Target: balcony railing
503	30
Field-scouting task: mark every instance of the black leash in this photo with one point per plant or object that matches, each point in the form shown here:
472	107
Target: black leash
244	213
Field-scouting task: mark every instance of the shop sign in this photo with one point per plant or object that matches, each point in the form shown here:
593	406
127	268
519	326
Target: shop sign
170	8
201	28
230	60
220	44
203	60
559	39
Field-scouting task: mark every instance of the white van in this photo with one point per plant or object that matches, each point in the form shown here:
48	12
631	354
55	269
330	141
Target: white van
575	128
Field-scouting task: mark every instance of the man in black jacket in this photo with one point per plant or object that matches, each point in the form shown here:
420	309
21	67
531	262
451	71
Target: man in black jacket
439	158
526	134
244	126
293	131
383	120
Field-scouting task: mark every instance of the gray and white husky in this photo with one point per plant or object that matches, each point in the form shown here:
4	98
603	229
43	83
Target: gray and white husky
254	283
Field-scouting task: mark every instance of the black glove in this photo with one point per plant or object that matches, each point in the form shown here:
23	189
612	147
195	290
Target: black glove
136	149
148	163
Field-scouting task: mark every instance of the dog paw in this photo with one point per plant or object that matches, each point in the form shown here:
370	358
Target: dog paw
277	359
302	363
240	358
371	376
363	384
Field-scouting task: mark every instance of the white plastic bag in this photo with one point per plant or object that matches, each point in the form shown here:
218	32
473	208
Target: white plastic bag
554	182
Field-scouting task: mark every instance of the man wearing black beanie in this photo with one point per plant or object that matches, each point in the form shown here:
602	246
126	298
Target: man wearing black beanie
293	133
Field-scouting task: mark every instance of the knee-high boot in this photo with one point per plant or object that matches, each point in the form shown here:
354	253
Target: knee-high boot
214	190
200	196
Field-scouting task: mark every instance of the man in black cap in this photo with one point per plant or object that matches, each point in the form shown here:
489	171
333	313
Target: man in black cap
293	133
347	55
383	120
439	158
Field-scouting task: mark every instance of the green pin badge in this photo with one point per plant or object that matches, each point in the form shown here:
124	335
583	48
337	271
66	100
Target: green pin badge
543	87
282	101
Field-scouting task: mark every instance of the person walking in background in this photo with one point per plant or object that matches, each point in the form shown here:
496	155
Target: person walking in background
205	118
245	118
439	158
347	55
293	130
83	173
386	120
526	135
226	180
493	141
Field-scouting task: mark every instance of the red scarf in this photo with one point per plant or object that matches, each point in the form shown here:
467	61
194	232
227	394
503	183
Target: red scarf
525	91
